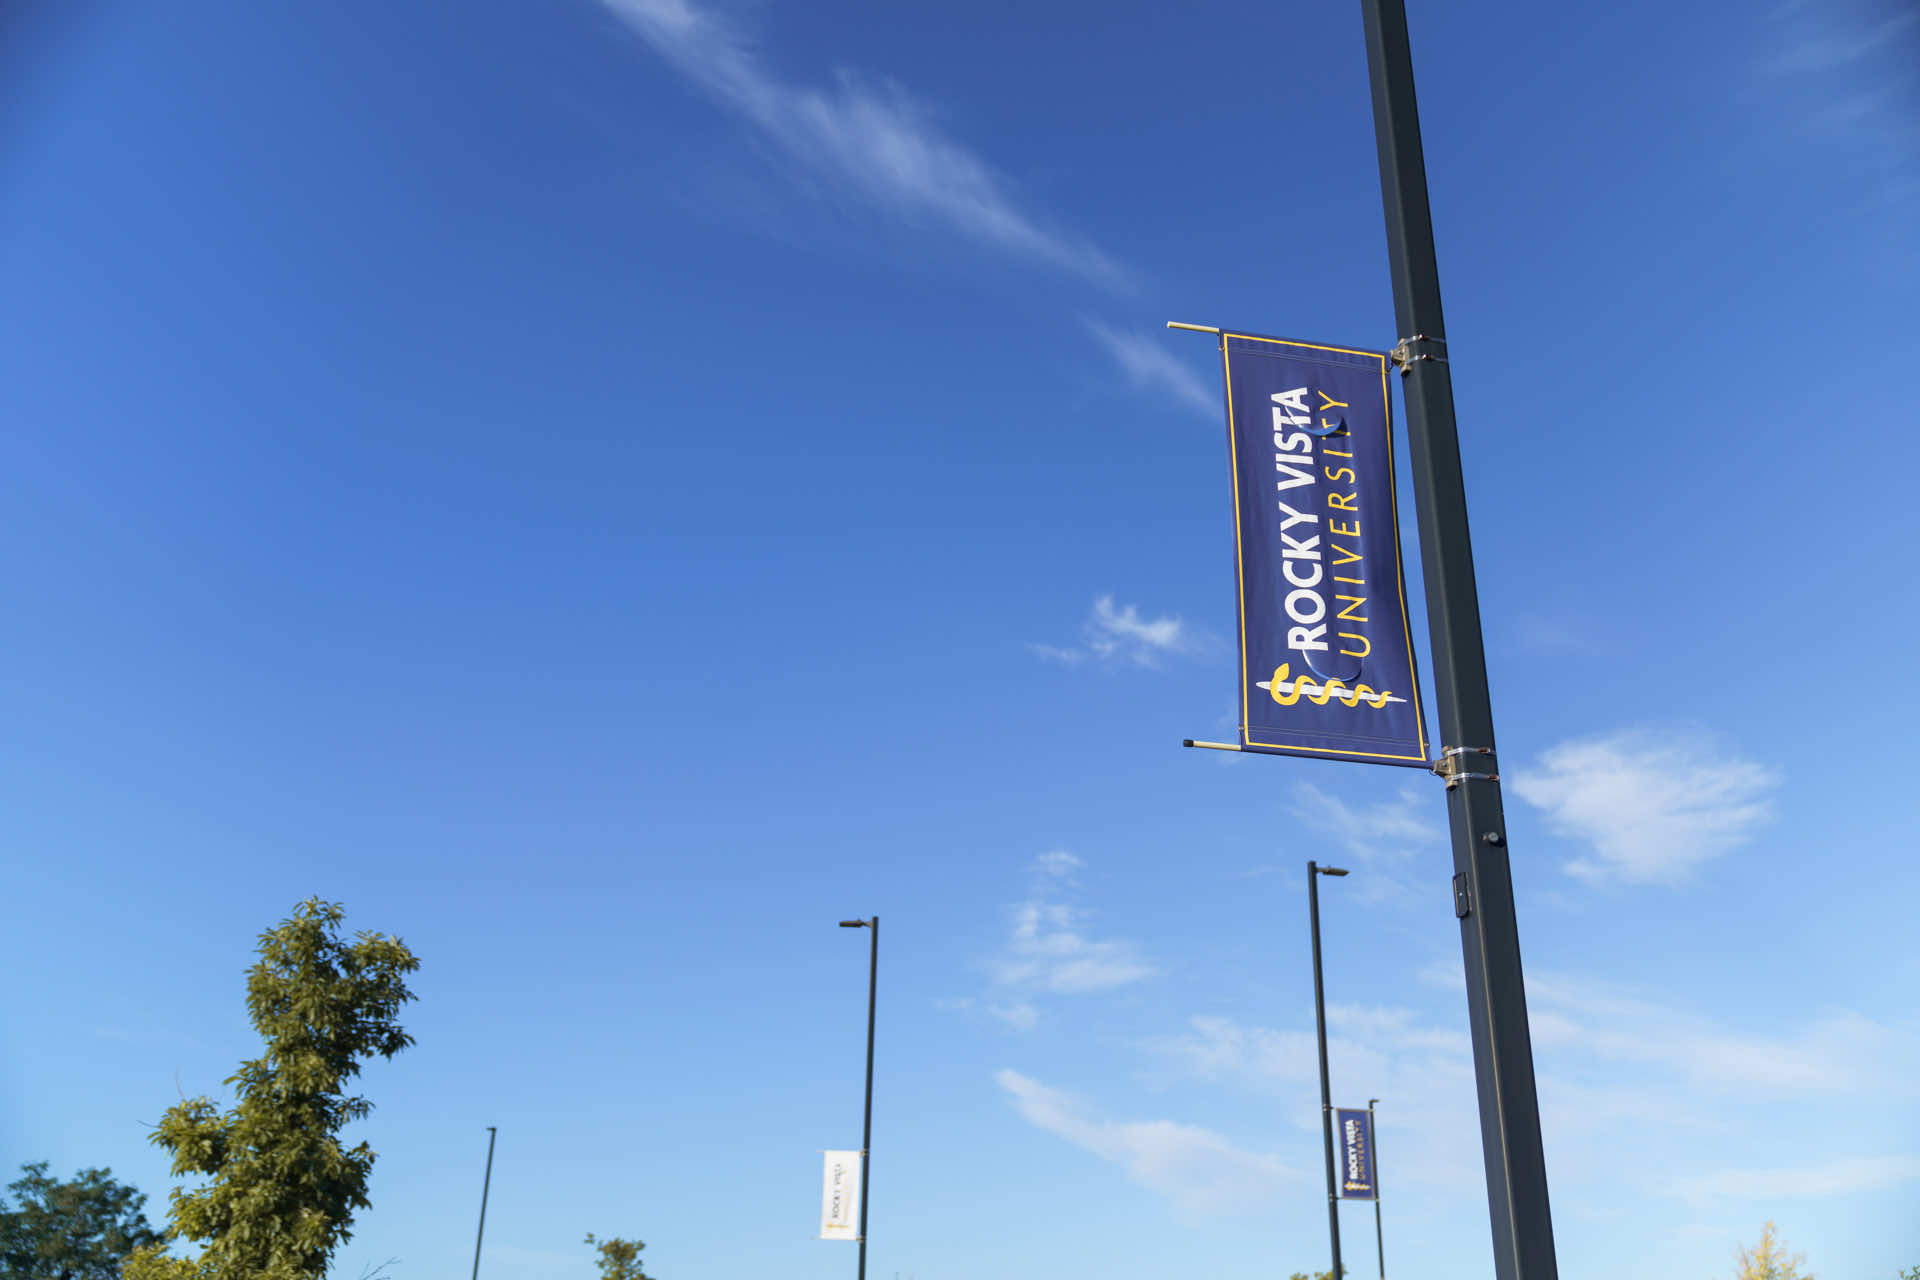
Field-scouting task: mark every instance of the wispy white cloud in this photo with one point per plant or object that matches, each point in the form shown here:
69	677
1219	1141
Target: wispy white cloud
1652	807
1198	1169
1063	654
1847	73
1426	1071
1834	37
1119	635
1360	1036
1050	949
1621	1078
1122	633
1395	1027
866	135
1833	1178
1383	835
1150	365
1840	1052
1058	866
1020	1015
1219	1049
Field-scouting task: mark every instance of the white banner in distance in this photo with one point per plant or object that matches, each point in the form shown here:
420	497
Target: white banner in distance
840	1197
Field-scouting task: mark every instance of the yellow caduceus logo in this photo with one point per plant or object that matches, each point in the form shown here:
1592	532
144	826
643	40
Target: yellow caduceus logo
1287	692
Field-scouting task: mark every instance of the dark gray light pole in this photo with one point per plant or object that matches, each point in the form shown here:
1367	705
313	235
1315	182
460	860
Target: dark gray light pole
866	1124
485	1186
1483	880
1373	1136
1314	872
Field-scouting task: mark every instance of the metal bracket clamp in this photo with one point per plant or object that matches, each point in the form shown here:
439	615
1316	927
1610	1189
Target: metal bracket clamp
1450	766
1404	354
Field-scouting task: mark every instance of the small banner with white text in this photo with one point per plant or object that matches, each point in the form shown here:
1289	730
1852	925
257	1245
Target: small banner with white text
1356	1154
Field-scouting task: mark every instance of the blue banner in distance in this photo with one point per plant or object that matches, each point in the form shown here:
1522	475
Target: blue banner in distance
1356	1154
1326	649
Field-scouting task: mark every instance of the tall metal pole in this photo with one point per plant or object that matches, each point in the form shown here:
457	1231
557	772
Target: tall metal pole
1326	1092
1483	881
485	1187
866	1125
1379	1241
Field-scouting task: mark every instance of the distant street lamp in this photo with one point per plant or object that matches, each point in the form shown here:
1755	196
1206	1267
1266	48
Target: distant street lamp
1314	872
486	1185
866	1124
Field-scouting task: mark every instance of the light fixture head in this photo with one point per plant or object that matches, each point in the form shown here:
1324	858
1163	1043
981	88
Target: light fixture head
1333	871
853	924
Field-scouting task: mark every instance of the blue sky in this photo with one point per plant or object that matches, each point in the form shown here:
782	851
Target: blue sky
607	488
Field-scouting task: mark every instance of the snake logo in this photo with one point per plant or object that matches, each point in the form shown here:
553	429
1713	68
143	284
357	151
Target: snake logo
1287	692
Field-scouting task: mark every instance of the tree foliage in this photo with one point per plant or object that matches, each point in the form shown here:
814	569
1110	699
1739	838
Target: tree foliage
78	1230
281	1189
619	1259
1769	1260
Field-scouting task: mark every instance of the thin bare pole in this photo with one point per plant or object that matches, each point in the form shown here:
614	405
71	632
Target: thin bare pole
1314	872
1379	1240
485	1187
866	1124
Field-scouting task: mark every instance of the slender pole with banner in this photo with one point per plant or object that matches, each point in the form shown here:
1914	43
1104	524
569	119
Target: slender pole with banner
1373	1136
866	1124
486	1185
1483	880
1314	872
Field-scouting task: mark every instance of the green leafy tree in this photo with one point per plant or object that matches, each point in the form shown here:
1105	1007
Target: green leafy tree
1769	1260
78	1230
281	1189
619	1259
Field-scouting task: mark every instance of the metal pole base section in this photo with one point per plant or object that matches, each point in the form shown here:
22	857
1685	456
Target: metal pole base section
1326	1094
866	1122
1483	882
485	1186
